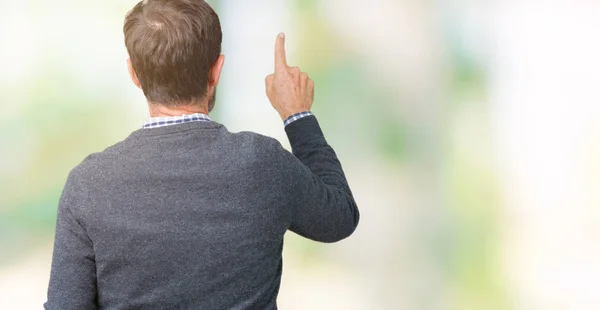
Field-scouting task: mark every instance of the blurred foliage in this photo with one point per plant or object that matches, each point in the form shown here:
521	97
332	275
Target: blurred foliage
61	128
340	75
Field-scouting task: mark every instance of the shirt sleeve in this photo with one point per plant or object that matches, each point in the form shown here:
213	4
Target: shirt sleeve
73	273
294	117
322	206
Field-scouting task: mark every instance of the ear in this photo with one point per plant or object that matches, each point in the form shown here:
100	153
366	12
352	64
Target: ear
215	71
133	75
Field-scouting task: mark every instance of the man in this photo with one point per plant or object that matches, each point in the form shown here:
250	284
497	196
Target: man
183	214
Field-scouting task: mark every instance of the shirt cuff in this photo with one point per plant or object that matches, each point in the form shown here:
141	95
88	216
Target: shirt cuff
294	117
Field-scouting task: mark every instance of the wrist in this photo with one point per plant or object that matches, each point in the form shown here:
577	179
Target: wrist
286	114
303	132
295	116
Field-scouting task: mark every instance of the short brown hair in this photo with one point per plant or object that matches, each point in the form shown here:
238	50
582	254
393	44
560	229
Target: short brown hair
173	45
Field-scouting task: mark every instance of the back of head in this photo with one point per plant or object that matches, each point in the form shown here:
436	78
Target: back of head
173	45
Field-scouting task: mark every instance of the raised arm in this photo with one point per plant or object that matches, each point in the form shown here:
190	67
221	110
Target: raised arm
322	206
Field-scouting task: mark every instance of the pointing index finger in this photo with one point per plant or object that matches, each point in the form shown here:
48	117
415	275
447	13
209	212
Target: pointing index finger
280	56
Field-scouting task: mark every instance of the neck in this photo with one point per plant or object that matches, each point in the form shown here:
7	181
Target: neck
157	110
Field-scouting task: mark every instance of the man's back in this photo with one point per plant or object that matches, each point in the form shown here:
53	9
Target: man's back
184	214
192	216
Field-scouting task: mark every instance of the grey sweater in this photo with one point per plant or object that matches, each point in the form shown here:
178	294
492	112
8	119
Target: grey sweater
192	216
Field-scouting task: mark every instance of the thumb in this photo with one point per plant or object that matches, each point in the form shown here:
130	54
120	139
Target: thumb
269	80
280	56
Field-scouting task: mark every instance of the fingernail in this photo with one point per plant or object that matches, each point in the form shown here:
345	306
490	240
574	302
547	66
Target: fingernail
282	35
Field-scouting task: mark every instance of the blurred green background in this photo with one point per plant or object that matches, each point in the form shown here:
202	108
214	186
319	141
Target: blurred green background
469	131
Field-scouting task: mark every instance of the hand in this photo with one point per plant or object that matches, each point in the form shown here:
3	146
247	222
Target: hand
289	90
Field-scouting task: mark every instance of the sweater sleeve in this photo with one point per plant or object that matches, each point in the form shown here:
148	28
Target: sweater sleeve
322	206
73	273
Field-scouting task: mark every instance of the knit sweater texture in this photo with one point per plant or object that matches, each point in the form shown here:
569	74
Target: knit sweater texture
192	216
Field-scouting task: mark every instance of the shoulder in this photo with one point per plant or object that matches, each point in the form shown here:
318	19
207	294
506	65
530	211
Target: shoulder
263	149
94	166
86	178
253	138
256	142
85	173
76	190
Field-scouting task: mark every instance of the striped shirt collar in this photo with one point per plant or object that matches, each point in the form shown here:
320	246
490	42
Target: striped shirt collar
155	122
